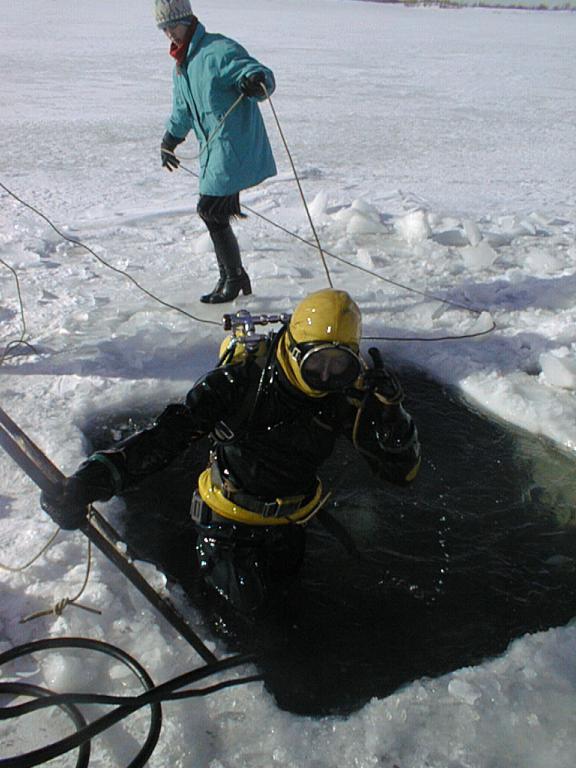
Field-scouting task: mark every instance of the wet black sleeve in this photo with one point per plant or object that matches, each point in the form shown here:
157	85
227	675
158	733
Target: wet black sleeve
153	449
142	454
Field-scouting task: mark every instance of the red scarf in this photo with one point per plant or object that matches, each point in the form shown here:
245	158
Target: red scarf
179	51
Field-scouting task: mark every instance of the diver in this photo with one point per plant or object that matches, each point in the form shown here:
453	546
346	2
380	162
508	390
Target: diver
272	408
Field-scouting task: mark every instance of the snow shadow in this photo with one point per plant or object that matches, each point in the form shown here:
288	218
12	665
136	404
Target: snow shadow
397	584
552	293
133	358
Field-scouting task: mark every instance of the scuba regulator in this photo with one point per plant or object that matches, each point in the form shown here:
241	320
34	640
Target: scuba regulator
244	338
243	326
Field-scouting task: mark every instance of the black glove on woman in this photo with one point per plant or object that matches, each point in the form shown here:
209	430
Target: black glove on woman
169	144
251	85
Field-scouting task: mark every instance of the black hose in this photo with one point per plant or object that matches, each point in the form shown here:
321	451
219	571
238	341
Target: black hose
25	689
126	705
42	755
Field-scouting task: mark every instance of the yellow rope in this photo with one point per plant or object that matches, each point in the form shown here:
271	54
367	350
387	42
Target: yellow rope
20	568
314	512
59	607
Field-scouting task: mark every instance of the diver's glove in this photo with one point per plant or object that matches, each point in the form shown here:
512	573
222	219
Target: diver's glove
68	505
251	85
169	144
382	381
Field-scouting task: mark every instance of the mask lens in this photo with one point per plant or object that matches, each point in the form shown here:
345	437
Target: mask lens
328	369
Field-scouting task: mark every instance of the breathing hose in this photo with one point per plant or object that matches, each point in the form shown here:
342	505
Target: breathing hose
25	689
46	698
153	696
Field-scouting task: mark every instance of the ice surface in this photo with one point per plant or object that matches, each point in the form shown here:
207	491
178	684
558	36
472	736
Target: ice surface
559	369
436	150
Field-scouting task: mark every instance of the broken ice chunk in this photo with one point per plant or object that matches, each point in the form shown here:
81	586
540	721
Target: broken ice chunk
414	227
558	371
479	256
472	232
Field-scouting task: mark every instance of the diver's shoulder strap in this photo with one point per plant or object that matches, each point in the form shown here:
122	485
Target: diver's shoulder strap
226	431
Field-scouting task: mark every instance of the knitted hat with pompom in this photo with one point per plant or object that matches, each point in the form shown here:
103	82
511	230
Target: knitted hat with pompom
170	12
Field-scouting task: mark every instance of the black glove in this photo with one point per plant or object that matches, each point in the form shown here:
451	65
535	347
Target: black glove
382	381
68	505
251	85
169	144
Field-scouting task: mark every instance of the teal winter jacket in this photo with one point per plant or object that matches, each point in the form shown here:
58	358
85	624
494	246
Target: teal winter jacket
205	87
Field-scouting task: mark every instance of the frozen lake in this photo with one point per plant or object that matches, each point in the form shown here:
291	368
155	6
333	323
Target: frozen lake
436	149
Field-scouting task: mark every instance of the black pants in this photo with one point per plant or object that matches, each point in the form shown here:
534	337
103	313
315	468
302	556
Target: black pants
249	566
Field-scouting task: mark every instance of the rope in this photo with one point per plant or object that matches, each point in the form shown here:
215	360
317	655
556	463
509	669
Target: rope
107	264
295	172
474	335
211	136
321	504
59	607
323	253
296	177
371	272
221	123
20	568
395	283
317	245
21	341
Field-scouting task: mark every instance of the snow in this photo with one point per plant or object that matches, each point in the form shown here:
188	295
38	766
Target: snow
525	4
435	148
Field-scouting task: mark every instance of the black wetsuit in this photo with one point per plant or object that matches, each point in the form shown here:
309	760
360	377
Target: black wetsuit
268	440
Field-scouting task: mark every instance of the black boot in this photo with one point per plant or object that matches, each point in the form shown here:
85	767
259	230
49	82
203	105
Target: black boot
208	297
235	278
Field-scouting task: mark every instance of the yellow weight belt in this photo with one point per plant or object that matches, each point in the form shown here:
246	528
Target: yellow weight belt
212	496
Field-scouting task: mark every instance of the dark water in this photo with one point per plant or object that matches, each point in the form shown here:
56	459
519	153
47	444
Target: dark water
398	583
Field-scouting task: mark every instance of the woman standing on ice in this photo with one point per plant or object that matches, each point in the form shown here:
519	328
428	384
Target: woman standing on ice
211	72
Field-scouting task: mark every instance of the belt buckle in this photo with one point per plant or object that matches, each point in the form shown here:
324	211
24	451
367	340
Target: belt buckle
223	432
199	511
286	506
269	508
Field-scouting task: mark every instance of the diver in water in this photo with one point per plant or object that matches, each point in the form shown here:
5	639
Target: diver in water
272	408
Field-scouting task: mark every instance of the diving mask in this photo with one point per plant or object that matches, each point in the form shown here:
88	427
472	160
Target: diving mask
327	366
